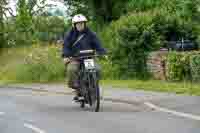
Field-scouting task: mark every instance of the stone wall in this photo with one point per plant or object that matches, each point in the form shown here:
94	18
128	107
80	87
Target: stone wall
156	64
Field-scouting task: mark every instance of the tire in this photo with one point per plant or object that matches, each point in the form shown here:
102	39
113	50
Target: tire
94	94
97	99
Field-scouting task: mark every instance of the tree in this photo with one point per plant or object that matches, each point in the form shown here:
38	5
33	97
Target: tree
24	27
1	23
36	6
102	10
4	10
23	17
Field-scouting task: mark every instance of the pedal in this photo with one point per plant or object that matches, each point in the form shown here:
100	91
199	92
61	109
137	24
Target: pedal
75	101
79	99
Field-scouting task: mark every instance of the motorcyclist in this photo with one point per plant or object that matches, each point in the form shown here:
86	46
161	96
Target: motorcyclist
80	37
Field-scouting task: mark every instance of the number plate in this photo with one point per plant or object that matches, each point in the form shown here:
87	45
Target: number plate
89	63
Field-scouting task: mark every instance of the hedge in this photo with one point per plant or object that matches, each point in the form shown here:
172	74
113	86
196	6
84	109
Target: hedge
183	66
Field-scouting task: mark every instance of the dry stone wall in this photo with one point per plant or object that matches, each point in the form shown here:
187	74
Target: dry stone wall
156	64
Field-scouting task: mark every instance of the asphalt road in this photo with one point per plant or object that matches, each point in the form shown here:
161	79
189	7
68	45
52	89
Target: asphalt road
25	111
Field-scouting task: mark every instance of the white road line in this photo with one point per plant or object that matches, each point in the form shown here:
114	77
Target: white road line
37	130
2	113
181	114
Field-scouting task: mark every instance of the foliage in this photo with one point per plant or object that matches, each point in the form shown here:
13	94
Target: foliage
109	70
183	66
195	66
41	64
143	5
130	39
24	29
147	25
186	8
178	66
172	27
3	14
102	10
50	28
43	29
154	28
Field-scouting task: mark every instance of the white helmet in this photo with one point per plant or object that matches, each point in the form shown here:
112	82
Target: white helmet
79	18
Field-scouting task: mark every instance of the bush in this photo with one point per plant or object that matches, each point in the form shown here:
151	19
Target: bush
42	29
195	67
41	64
186	8
178	66
143	5
49	28
174	28
130	39
109	70
24	29
174	19
183	66
133	36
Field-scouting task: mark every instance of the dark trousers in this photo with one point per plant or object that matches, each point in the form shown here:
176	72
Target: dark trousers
72	74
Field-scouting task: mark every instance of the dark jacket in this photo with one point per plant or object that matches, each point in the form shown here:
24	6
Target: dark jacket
89	41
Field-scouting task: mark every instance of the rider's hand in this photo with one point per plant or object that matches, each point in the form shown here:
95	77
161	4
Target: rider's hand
66	60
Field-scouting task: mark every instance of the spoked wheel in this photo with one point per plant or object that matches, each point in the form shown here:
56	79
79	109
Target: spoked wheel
94	95
96	102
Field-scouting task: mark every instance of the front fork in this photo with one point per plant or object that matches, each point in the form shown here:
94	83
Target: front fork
88	82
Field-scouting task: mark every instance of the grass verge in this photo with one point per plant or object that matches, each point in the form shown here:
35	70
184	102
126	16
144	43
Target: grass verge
43	64
155	85
149	85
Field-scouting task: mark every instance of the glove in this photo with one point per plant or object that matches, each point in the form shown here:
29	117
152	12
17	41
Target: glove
66	60
106	57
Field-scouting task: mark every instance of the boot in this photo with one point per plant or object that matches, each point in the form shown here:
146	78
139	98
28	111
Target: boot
77	94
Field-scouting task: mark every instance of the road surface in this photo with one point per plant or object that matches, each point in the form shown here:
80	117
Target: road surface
26	111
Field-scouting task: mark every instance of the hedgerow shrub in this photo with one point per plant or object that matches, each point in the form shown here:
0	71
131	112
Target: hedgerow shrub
130	39
133	36
41	64
195	66
183	66
177	65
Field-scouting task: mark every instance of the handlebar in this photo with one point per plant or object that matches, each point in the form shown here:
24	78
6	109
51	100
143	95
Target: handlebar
86	51
88	56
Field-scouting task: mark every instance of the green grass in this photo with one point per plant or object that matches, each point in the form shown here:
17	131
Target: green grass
48	68
9	59
31	64
155	85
